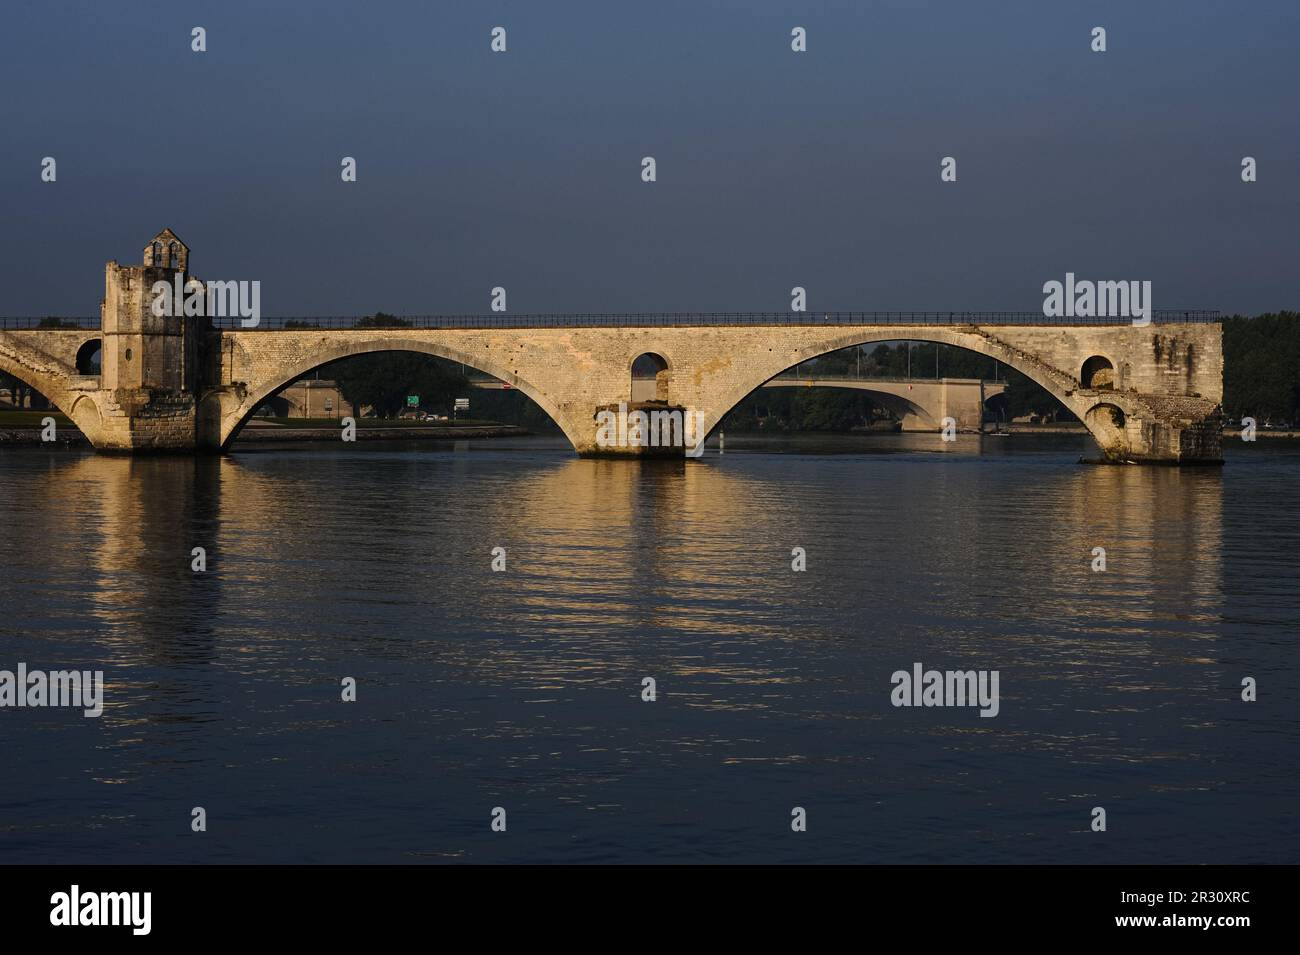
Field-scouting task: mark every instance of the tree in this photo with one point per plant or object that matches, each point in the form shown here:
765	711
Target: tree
383	380
509	406
1261	367
1024	396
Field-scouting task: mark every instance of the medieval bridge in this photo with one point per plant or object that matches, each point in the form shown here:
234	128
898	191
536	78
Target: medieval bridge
1147	394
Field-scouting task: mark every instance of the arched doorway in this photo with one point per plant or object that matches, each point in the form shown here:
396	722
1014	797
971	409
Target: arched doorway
1098	374
88	356
649	378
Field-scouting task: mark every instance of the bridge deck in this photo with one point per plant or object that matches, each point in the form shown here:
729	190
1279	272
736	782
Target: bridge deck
650	320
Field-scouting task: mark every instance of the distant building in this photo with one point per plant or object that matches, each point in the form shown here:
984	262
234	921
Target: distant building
309	398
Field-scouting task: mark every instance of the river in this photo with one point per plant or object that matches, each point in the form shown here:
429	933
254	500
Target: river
522	688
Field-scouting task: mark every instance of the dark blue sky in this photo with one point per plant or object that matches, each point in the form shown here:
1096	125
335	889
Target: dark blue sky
775	169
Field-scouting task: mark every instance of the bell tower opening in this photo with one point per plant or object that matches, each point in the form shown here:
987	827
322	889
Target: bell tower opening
167	251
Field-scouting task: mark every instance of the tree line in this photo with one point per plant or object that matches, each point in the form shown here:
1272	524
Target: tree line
1261	368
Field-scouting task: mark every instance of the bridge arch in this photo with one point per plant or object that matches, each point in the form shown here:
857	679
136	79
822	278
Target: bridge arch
1059	384
81	408
228	418
1107	422
45	384
85	415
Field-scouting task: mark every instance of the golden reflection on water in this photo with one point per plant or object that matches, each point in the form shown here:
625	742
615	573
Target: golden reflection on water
601	553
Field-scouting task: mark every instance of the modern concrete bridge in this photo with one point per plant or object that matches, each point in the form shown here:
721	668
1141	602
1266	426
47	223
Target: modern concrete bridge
920	403
1147	394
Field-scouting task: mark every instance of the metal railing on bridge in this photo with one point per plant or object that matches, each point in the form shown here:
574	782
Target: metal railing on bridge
811	374
1162	316
47	322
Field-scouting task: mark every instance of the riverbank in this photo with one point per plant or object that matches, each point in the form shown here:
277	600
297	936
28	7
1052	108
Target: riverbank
70	437
1054	427
373	433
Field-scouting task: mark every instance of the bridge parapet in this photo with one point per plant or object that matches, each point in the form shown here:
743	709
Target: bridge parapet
310	323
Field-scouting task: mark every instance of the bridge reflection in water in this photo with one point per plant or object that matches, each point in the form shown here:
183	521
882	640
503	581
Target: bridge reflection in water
567	522
524	685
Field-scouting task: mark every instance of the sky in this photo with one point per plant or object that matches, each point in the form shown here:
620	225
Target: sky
775	169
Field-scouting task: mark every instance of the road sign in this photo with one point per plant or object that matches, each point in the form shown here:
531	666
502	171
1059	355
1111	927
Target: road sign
412	401
462	404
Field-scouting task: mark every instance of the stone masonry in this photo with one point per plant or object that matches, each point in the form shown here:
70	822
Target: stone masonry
178	384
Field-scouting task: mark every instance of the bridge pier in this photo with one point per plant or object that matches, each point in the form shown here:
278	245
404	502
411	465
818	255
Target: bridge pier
644	429
1137	429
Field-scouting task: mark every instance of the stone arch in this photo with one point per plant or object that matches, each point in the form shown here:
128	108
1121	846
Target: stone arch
223	420
85	415
46	384
1059	384
1107	423
650	376
81	408
1098	374
89	357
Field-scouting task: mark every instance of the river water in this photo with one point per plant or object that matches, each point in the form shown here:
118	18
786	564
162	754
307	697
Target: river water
522	688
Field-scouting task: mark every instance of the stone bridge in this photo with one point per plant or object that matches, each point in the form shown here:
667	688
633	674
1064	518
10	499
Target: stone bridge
1147	394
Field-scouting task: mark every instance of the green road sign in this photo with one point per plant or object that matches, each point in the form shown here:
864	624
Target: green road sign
412	401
